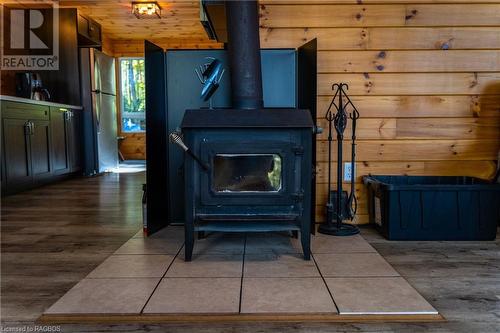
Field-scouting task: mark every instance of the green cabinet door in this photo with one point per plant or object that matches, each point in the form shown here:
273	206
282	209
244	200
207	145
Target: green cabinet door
75	140
38	143
59	122
16	153
26	146
40	150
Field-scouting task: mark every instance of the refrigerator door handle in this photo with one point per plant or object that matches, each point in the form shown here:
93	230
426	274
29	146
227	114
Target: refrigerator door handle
96	107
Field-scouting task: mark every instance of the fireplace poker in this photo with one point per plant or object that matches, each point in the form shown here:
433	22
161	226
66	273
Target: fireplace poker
176	138
352	202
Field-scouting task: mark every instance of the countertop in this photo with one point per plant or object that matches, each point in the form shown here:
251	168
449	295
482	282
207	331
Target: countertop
32	101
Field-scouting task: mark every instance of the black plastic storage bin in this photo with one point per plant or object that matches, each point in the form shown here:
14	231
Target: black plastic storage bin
433	208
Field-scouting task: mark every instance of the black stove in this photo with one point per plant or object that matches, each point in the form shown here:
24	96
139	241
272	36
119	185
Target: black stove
255	172
249	168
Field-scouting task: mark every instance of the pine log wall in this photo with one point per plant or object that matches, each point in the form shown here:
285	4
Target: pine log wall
424	74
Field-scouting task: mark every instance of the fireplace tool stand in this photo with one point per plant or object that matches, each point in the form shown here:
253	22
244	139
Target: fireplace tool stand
340	205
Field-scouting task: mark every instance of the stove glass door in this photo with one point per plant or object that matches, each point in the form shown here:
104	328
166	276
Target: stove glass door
247	173
258	172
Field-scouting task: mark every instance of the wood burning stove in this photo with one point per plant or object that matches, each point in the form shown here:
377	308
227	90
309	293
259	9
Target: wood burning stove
255	172
247	169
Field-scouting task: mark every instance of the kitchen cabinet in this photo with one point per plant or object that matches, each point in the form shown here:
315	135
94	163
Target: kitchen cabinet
75	140
66	136
59	118
40	144
89	32
64	83
16	153
40	150
26	157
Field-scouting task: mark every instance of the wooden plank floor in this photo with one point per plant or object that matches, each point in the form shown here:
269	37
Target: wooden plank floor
54	236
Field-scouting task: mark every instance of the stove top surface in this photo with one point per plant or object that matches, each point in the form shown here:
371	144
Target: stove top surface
238	118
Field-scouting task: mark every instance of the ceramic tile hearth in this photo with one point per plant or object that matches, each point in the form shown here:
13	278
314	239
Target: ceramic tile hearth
151	246
241	275
207	266
279	266
285	295
380	295
97	296
354	265
195	295
133	266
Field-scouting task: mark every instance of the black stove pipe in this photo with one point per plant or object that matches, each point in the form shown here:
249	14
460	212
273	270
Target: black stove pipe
244	53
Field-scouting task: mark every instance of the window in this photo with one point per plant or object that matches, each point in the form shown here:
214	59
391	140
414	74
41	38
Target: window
133	95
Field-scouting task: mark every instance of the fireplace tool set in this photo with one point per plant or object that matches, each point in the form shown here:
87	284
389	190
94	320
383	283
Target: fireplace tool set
340	205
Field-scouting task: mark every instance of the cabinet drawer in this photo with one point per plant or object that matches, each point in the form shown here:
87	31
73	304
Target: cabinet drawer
89	32
83	25
15	110
94	31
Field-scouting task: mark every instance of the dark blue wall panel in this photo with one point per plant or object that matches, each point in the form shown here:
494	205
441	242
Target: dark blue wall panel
183	92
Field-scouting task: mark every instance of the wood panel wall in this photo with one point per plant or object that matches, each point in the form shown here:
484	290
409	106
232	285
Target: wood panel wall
424	76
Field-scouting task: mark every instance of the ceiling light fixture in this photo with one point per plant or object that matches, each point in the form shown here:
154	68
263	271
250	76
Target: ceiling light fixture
149	9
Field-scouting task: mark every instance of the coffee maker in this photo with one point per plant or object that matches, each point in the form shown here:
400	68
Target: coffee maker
29	85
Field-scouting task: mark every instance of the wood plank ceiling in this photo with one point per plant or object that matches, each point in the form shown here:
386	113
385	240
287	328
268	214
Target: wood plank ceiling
180	19
179	26
180	22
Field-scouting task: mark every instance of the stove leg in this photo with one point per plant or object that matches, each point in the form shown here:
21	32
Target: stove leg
189	242
305	239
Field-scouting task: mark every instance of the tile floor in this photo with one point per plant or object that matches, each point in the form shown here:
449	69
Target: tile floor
243	274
